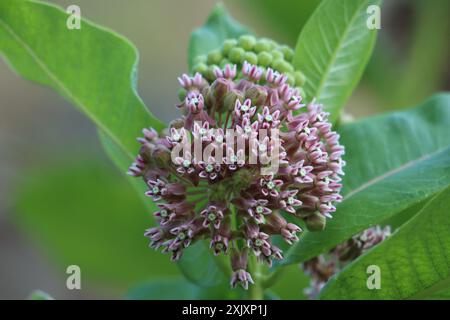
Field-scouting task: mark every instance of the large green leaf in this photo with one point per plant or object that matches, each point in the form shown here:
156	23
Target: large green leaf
92	67
414	262
333	50
201	267
394	161
81	211
219	27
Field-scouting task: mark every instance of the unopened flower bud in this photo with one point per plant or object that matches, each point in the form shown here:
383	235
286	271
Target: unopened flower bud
247	42
256	94
251	57
214	57
262	45
200	59
200	68
236	55
228	45
287	52
265	59
300	78
282	66
277	55
230	99
177	123
315	222
162	157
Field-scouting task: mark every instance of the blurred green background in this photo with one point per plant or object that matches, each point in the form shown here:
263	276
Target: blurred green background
61	200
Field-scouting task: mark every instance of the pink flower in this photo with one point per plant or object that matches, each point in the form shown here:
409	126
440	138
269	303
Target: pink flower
223	197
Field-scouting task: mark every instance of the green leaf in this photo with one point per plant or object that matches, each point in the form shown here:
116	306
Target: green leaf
283	287
122	161
92	67
219	27
333	50
394	161
181	289
414	262
80	211
201	267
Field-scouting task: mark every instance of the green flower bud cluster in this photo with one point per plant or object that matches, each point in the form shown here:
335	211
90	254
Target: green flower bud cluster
262	52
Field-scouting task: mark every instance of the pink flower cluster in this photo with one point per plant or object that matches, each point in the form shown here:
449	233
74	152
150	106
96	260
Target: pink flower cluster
230	202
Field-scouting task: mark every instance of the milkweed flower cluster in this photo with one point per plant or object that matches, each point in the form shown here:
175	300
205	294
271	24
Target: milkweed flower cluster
323	267
229	200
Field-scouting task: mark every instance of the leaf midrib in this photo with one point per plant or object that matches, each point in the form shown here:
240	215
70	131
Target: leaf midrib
61	85
429	291
392	172
335	53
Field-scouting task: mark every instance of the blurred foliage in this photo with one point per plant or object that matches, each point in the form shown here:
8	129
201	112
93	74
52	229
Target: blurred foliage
81	211
287	17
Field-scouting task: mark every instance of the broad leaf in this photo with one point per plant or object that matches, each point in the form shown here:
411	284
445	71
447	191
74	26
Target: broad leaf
122	162
333	50
81	211
414	262
93	68
201	267
394	161
219	27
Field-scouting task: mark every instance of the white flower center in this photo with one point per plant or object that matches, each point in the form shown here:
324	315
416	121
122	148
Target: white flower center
186	163
176	137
